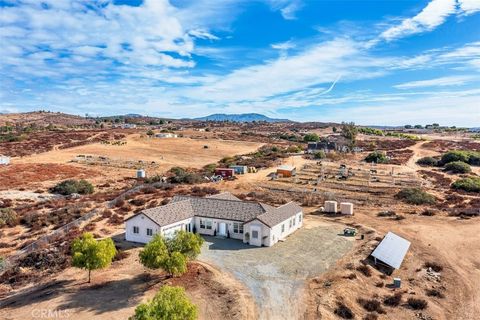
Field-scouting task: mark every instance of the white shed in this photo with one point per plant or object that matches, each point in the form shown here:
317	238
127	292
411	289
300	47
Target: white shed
4	160
391	250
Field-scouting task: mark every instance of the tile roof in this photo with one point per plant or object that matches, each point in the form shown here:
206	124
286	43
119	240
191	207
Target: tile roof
273	217
221	206
224	196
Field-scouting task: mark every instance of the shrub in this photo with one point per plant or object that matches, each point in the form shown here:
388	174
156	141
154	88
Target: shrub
434	293
458	167
8	217
377	157
471	184
427	161
417	304
371	305
319	155
433	265
311	137
386	214
365	270
456	155
168	303
393	300
415	196
343	311
68	187
370	316
428	213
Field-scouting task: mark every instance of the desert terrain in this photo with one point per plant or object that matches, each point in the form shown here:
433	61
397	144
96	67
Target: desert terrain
316	271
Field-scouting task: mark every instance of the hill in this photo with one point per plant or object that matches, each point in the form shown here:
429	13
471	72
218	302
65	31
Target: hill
43	119
244	117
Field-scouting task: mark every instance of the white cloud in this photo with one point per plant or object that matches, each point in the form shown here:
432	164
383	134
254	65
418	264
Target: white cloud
433	15
469	6
437	82
283	46
287	8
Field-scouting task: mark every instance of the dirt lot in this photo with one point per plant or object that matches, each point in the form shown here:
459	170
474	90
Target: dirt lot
115	292
183	152
276	275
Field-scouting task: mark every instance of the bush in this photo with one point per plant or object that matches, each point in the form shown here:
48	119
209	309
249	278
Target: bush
371	305
311	137
343	311
68	187
417	304
458	167
319	155
168	303
434	293
377	157
8	217
365	270
370	316
394	300
471	184
470	157
415	196
427	161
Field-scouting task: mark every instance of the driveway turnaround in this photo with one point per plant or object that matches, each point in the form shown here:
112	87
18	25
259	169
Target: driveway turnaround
276	275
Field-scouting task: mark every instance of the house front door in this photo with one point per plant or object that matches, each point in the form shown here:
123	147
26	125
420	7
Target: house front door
222	229
255	236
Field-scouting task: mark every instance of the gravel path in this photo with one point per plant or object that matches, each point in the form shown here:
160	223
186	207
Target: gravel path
276	275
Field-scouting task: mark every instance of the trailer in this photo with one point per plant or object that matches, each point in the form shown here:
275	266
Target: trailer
239	169
225	172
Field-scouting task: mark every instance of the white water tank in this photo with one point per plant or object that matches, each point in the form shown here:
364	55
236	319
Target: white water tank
331	206
346	208
140	173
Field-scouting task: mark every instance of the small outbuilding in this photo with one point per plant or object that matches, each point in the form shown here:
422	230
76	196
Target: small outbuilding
225	172
286	171
239	169
4	160
391	251
165	135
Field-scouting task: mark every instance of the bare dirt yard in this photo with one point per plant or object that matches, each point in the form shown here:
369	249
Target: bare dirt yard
115	292
276	275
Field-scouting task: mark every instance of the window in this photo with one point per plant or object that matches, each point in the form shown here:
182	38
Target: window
255	234
237	227
283	228
293	221
149	232
136	229
300	218
290	223
206	224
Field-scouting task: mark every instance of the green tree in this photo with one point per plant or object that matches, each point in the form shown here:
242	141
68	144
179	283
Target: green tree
334	129
349	132
150	133
311	137
187	243
91	254
320	155
154	253
175	264
458	167
170	303
376	157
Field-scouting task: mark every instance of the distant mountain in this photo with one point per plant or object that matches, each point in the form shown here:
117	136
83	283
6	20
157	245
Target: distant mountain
244	117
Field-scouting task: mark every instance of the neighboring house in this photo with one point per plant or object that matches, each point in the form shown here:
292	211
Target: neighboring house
4	160
223	215
329	144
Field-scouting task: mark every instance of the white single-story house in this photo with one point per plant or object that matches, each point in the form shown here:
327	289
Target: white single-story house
225	215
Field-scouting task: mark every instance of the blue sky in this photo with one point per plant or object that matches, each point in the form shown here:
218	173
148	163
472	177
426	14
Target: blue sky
372	62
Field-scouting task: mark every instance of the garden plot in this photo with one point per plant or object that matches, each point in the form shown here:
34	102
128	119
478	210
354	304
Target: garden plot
276	275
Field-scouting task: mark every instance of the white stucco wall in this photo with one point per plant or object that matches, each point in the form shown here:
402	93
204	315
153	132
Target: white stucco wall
215	225
143	223
270	236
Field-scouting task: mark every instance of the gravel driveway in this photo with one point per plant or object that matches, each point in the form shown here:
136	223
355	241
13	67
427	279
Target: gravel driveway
276	275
